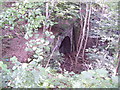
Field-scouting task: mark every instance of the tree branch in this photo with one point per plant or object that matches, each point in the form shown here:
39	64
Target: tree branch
88	29
83	35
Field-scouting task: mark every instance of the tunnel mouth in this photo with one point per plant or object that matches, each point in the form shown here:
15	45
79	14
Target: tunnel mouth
65	46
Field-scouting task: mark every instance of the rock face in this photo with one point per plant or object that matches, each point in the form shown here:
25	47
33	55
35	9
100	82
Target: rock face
65	46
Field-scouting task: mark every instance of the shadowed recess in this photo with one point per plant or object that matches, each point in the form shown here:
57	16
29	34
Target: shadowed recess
65	46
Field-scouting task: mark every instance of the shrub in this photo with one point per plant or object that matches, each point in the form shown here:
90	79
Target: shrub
24	75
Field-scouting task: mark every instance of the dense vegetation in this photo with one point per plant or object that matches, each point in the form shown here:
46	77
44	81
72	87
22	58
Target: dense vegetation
36	55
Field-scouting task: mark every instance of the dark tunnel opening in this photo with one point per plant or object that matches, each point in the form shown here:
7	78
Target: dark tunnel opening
65	46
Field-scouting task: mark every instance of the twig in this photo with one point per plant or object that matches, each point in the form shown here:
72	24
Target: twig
52	52
88	29
83	34
81	24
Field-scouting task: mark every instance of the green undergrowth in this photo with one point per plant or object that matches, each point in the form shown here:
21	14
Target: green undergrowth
24	75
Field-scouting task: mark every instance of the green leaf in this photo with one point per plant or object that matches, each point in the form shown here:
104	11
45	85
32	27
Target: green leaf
102	72
34	48
30	34
47	33
13	58
26	36
37	35
43	17
12	28
39	50
1	63
47	48
28	49
36	56
52	37
6	27
46	42
38	43
41	57
115	79
42	40
86	75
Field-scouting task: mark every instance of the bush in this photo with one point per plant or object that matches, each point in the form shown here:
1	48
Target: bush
24	75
